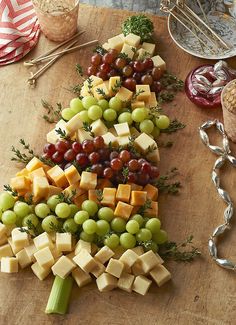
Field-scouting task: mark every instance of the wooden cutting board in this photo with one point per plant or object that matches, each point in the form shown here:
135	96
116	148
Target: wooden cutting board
200	292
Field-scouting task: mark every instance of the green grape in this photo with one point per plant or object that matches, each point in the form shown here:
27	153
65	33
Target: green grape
73	210
95	112
50	223
90	206
115	103
8	217
144	235
132	227
21	209
109	115
76	105
160	237
106	213
89	226
162	122
103	227
53	201
156	132
138	115
118	224
127	240
138	218
70	226
86	237
89	101
146	126
63	210
125	117
30	219
80	217
83	115
42	210
153	225
112	241
103	103
67	113
7	201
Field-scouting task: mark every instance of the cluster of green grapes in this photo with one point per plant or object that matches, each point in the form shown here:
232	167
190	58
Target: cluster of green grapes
92	223
90	109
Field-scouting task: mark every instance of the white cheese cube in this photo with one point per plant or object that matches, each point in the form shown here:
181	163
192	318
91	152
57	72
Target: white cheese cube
74	124
101	91
141	53
106	282
23	259
159	62
39	271
104	254
83	135
116	43
81	278
154	156
83	245
5	251
98	127
52	136
95	81
3	239
43	240
9	265
152	101
128	50
149	47
30	250
44	257
129	258
115	267
63	267
109	138
19	238
122	129
125	282
141	284
106	46
3	229
137	269
144	142
149	260
122	36
88	180
132	40
138	250
160	275
123	141
98	270
85	261
124	94
14	248
64	241
144	92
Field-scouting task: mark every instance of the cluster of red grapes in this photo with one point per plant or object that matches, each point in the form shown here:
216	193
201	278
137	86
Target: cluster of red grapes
132	72
119	166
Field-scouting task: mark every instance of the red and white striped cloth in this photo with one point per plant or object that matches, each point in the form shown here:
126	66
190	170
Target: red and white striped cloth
19	29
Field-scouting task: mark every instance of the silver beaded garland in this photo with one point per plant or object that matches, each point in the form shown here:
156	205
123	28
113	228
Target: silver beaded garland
224	154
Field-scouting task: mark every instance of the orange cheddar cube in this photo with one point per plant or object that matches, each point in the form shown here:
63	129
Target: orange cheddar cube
109	197
138	198
135	209
152	192
74	190
72	175
57	176
20	183
33	164
103	182
23	172
37	172
80	199
53	190
123	210
153	211
123	193
135	187
88	181
93	196
40	188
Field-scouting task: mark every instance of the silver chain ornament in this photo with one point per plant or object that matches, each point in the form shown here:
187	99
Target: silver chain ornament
224	156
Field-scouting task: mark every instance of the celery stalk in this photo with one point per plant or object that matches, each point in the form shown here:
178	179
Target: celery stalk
59	296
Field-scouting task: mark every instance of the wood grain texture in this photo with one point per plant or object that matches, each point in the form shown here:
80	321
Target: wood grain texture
200	292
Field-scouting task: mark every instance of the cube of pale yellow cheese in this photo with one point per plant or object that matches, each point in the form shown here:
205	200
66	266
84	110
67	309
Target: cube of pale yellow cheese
137	104
101	91
9	265
23	172
43	240
159	62
149	47
123	210
152	192
37	172
114	85
5	251
52	137
143	91
109	138
132	40
154	156
57	176
83	245
19	238
53	190
106	282
106	46
15	248
144	142
30	250
123	141
56	253
148	261
123	192
85	91
122	129
125	282
20	183
72	174
3	229
61	124
98	270
104	254
83	135
85	261
128	50
138	250
109	197
152	101
138	198
44	257
63	267
137	268
88	180
98	127
94	249
3	239
64	241
160	275
118	251
116	43
124	94
74	124
94	81
142	54
122	36
33	164
129	258
39	271
81	278
23	258
40	188
134	132
141	284
115	267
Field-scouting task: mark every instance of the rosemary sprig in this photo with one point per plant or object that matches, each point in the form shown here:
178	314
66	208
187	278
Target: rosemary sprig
116	87
88	128
101	92
9	189
174	251
100	50
79	69
174	126
147	205
62	134
166	187
48	162
67	198
53	114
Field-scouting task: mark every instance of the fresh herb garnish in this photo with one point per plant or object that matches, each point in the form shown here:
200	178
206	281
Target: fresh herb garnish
53	114
171	82
76	89
125	174
164	186
99	194
21	156
165	96
144	56
67	198
30	229
62	134
124	56
100	50
139	25
88	128
116	87
101	92
147	205
79	70
174	126
90	85
167	144
135	96
9	189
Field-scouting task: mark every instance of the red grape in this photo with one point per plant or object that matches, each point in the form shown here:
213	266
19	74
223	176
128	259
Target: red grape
137	76
134	165
77	147
62	146
69	155
104	153
96	59
116	164
82	159
139	66
157	73
94	157
105	68
108	173
146	168
130	83
112	73
127	71
102	75
131	63
108	58
107	163
132	178
98	142
148	63
98	169
124	155
114	154
154	172
120	63
91	70
114	53
143	179
57	157
156	86
147	79
141	161
88	146
49	148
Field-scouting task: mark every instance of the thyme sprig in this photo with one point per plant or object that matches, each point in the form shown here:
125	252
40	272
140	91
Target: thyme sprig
30	229
99	194
22	156
88	128
62	134
125	174
53	113
174	126
67	198
124	56
135	96
164	186
162	144
90	85
100	50
57	228
171	82
76	89
28	200
116	87
131	146
79	69
9	189
147	205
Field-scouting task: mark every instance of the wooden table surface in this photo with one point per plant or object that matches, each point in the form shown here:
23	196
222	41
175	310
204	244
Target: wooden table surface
200	292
